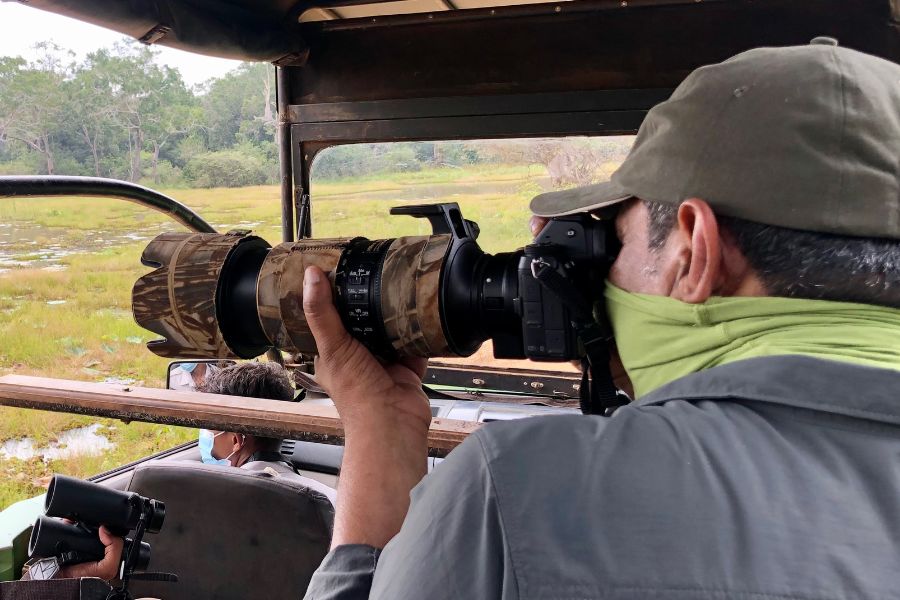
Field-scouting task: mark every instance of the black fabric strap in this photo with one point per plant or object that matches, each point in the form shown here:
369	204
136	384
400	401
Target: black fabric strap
87	588
272	456
598	393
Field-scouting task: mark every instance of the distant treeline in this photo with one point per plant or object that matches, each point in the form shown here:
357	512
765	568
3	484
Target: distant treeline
117	113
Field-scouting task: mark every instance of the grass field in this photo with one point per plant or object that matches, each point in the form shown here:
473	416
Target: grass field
65	312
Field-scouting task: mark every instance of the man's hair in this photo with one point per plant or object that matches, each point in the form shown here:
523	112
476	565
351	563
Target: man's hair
253	380
804	264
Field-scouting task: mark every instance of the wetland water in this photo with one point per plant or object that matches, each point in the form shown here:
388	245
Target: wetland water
38	247
26	245
81	441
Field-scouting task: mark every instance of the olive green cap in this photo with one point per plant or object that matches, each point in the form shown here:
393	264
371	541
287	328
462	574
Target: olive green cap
805	137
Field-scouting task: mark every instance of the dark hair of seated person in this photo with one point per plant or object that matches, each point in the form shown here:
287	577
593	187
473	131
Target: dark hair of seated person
267	380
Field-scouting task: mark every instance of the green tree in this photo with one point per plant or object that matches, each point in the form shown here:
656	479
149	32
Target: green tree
240	107
32	102
118	113
91	112
149	102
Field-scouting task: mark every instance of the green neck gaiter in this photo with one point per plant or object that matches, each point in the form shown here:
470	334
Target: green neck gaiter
661	339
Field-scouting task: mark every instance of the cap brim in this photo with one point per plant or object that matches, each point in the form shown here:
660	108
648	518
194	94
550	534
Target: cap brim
577	200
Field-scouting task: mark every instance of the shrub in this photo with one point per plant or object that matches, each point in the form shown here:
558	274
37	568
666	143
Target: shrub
226	168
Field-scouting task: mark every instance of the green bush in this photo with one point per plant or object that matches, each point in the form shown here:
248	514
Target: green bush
21	166
168	175
226	168
354	160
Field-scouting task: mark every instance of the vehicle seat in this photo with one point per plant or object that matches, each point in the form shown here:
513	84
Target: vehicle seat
232	533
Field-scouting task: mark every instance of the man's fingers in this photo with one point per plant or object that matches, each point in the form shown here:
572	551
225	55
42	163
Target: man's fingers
107	538
537	223
415	364
106	568
112	556
324	321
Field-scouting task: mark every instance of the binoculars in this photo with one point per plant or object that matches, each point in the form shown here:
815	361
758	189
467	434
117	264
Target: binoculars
87	506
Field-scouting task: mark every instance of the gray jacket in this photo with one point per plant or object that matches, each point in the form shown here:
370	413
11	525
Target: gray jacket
767	479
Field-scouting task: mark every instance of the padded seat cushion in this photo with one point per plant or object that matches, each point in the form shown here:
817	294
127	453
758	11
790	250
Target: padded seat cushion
232	533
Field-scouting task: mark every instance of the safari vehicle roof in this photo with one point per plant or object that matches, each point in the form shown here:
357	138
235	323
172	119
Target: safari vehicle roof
274	30
635	43
606	60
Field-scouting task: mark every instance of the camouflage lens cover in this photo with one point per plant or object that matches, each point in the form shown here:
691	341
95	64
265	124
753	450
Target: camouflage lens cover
177	300
191	297
410	295
279	293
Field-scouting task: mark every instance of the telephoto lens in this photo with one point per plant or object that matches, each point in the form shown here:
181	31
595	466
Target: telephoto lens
234	296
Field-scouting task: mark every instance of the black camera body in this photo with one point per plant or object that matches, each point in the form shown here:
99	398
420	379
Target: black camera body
560	278
531	302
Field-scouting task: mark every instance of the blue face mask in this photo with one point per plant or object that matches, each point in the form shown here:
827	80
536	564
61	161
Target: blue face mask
188	367
206	445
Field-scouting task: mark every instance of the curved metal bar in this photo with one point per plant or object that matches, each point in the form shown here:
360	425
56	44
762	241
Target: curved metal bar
18	186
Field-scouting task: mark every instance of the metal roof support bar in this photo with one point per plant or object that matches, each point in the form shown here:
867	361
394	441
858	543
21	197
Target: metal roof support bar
20	186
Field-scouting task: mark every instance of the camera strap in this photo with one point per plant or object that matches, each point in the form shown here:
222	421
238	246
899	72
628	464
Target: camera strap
598	394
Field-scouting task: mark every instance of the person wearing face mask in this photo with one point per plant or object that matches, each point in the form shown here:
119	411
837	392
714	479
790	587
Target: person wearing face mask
188	376
254	453
755	304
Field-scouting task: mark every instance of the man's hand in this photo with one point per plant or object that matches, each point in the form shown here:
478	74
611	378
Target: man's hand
106	568
385	414
537	223
362	387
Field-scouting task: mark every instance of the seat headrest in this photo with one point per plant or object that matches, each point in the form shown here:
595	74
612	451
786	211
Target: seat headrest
233	533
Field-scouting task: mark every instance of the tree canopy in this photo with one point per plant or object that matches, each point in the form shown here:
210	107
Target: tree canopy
118	113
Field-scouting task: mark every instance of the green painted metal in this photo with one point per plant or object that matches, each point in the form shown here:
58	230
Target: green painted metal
15	529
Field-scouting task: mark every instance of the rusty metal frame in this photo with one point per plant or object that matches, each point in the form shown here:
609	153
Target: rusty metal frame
475	13
285	163
591	67
524	381
255	416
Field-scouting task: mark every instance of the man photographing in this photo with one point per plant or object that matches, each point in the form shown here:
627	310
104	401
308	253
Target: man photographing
756	307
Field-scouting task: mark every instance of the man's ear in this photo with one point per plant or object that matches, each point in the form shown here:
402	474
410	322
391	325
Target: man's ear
237	441
701	270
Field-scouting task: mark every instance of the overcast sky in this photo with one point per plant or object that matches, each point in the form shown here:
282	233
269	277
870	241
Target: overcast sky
21	27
